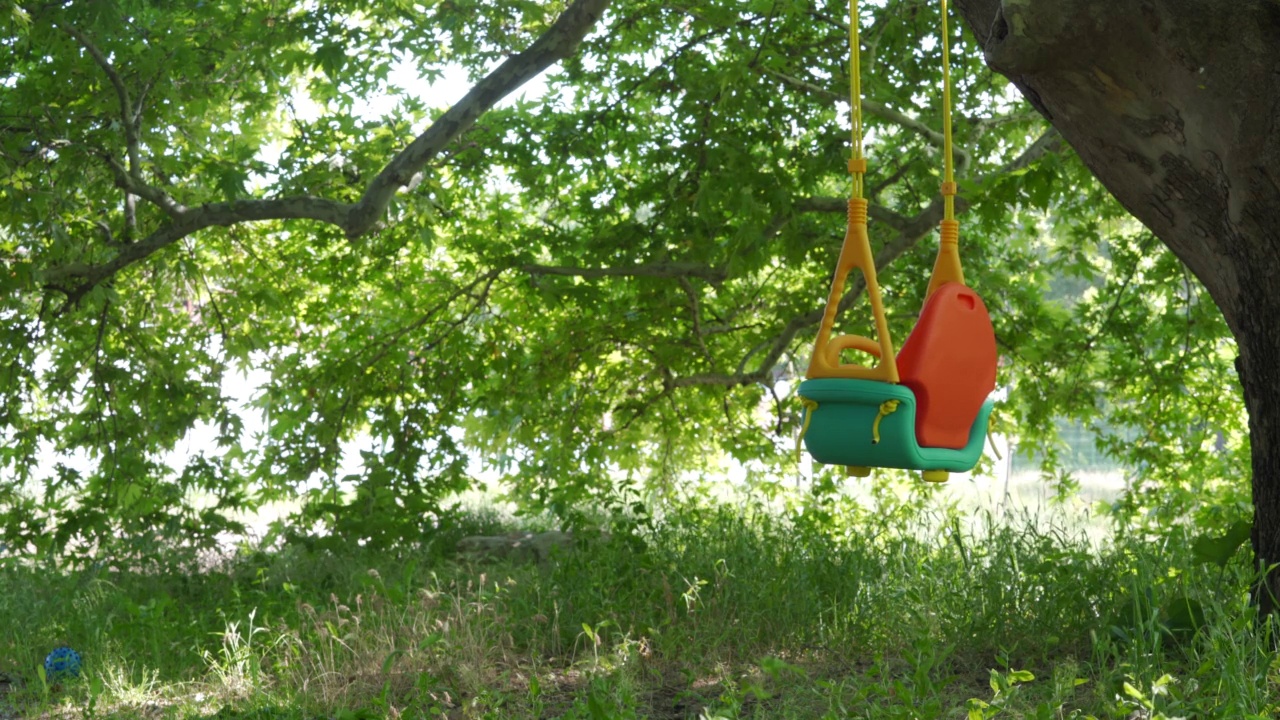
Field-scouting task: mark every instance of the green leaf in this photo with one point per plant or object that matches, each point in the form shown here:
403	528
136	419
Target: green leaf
390	660
1134	692
1021	676
1219	549
1184	616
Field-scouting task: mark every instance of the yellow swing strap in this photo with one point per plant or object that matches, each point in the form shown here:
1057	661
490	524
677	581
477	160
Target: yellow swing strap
855	253
857	160
809	407
946	267
886	408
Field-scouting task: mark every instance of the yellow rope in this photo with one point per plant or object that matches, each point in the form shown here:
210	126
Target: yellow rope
809	407
857	162
886	408
949	178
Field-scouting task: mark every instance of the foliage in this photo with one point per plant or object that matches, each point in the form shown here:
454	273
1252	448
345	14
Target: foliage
610	280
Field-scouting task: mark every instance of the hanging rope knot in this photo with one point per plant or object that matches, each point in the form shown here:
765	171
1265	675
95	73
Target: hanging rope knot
858	166
809	407
949	188
886	408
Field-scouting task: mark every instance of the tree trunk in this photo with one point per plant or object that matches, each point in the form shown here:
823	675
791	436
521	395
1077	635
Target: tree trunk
1175	107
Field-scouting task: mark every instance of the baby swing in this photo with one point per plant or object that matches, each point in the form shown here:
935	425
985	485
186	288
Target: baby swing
925	407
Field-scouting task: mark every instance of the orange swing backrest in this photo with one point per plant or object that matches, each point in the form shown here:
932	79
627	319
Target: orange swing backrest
949	362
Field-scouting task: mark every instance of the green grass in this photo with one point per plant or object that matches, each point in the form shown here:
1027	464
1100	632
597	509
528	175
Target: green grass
716	611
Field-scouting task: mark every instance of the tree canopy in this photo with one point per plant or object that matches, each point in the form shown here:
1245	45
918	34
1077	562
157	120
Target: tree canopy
610	280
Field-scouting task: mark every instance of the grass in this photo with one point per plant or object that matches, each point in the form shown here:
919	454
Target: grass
718	610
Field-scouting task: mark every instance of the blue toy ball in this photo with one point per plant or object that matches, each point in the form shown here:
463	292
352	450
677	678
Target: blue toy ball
62	662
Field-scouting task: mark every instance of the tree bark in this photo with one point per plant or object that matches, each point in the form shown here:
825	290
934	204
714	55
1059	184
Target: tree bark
1175	107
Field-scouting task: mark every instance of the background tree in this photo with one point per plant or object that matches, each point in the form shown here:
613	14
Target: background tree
613	280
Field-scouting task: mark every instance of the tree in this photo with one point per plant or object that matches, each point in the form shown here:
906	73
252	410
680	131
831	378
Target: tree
616	277
1174	107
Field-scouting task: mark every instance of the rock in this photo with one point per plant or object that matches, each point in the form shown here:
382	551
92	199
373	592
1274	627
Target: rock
515	547
9	683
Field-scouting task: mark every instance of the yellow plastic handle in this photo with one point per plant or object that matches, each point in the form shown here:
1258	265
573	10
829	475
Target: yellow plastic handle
855	254
841	343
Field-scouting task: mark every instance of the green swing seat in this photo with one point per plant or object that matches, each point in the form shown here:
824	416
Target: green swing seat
842	428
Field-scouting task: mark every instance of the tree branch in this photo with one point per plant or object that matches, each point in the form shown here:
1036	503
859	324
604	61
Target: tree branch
832	205
695	312
910	232
919	226
393	340
127	179
880	110
879	213
185	223
657	270
127	117
130	183
891	179
668	64
1048	143
556	44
